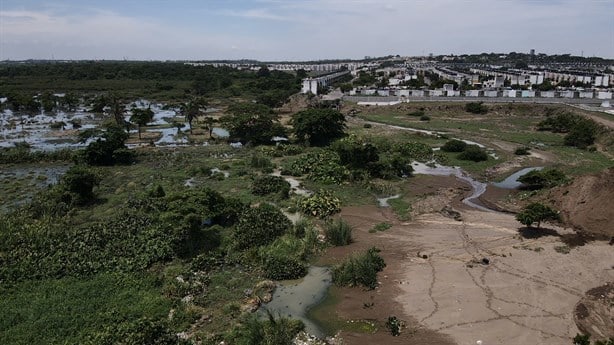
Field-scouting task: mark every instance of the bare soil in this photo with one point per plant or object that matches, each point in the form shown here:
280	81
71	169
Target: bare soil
594	314
586	204
438	282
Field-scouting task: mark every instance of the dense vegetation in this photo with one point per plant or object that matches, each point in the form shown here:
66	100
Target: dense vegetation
156	80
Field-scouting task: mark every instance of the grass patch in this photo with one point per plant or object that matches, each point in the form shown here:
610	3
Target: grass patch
383	226
401	208
359	270
338	232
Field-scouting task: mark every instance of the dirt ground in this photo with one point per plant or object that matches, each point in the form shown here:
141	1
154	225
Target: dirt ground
526	294
586	203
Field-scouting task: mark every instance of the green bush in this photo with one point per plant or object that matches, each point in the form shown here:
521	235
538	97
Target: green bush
417	113
473	153
260	226
320	166
414	151
359	270
260	162
522	151
321	204
338	232
267	184
582	134
425	118
279	267
454	145
547	178
476	108
80	182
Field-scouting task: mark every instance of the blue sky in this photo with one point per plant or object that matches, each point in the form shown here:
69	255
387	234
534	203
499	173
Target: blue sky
300	29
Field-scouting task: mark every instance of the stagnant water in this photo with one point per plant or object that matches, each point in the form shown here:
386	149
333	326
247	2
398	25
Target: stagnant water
294	298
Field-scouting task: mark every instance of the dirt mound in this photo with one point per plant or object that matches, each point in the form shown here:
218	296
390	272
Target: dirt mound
586	204
594	313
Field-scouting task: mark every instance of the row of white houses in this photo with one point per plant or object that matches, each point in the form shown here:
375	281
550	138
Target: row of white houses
587	94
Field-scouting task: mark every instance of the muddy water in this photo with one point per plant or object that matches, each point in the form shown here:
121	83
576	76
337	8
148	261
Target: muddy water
294	298
477	188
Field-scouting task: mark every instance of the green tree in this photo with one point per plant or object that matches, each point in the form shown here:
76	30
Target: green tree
252	123
537	213
318	127
141	117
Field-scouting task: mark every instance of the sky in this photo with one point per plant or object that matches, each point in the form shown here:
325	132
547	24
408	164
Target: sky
299	30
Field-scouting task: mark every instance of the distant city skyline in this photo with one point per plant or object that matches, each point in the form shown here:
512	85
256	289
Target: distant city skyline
270	30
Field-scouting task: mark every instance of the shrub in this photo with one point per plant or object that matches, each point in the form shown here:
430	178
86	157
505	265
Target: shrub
522	151
414	151
320	166
280	267
381	227
321	204
454	145
80	182
425	118
473	153
338	233
391	166
367	125
417	113
270	331
359	270
538	179
267	184
394	325
260	162
560	123
476	108
582	134
259	226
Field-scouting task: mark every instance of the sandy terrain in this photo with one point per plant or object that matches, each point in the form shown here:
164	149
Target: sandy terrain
525	295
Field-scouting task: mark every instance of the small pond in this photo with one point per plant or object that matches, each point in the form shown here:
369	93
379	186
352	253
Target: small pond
294	298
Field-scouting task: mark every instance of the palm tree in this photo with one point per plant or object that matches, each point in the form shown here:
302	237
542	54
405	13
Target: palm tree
118	109
209	121
141	117
192	109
